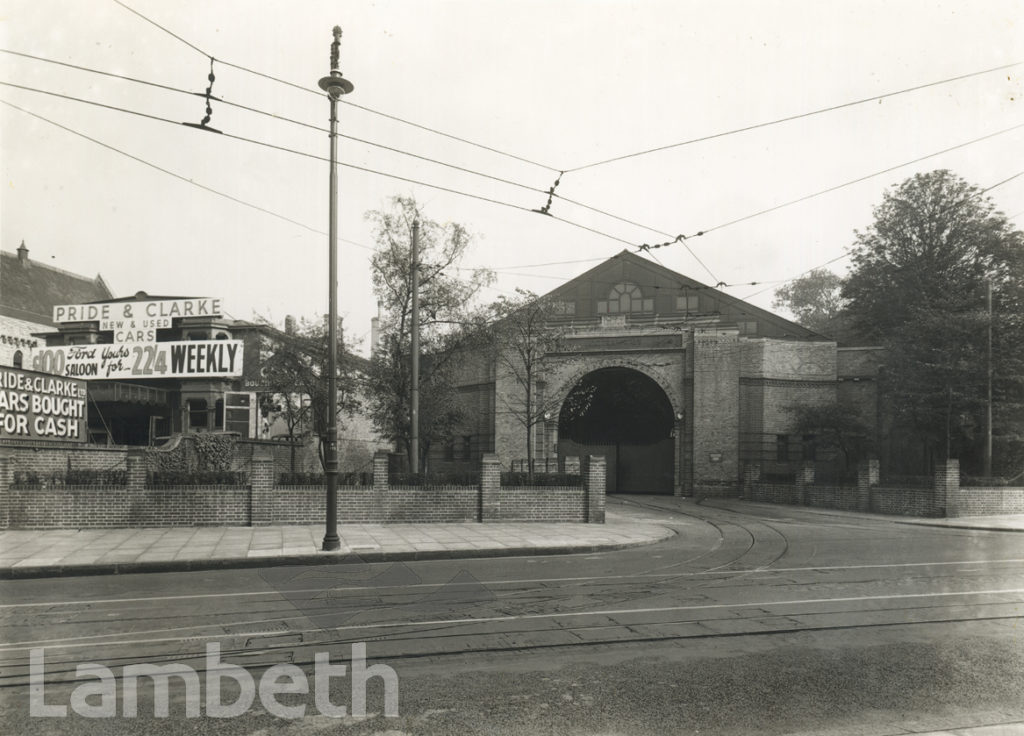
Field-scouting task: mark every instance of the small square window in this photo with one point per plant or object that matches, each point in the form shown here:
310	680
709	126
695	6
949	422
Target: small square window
747	328
688	303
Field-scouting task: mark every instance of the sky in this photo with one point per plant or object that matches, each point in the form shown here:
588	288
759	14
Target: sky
540	87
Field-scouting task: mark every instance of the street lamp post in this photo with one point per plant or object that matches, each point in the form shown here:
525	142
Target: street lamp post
335	86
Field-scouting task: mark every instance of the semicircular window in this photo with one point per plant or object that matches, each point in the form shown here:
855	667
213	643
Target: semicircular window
625	298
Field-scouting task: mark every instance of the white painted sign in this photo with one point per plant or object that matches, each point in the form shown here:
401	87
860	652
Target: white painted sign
134	316
35	406
187	359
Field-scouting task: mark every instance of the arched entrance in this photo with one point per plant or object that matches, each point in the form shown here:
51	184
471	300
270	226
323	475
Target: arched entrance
624	415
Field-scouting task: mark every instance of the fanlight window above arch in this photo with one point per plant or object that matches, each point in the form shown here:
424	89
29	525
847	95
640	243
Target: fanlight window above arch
625	298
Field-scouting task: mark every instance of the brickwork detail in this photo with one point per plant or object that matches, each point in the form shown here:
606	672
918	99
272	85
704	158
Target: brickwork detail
945	498
751	479
490	488
594	480
804	480
947	486
716	412
6	476
262	502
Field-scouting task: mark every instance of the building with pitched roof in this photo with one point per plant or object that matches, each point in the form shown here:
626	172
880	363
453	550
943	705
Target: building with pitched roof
675	382
29	290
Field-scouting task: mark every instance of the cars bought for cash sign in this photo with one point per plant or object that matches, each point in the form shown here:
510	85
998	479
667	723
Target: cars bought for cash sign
187	359
39	406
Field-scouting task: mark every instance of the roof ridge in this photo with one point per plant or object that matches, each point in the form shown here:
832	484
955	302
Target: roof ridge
40	264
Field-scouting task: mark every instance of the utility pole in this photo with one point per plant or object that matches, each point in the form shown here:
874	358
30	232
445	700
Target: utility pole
987	462
414	399
335	86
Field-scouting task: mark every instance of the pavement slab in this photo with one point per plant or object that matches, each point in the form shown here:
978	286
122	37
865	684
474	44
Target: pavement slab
67	552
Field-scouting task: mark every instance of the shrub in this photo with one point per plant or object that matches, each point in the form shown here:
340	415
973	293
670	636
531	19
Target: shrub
196	478
540	479
81	477
318	479
426	480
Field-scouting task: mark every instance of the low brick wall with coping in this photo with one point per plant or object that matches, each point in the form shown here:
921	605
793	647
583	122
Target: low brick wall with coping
944	498
264	503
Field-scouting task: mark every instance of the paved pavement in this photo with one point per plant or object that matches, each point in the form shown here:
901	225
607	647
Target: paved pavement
58	552
1002	523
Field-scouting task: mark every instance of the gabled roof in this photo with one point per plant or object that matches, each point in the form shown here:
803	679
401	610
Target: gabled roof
29	290
609	273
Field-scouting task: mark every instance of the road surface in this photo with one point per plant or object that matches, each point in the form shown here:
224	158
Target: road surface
762	620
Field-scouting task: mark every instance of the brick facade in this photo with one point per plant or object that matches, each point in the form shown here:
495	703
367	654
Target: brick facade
729	371
944	498
716	412
263	502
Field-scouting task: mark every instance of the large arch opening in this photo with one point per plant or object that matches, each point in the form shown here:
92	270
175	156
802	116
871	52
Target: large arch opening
624	415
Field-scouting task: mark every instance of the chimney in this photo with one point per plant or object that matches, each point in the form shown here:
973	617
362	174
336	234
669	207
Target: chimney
23	254
289	325
375	330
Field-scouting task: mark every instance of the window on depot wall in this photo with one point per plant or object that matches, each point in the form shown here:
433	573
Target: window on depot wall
781	448
688	303
748	327
623	299
563	309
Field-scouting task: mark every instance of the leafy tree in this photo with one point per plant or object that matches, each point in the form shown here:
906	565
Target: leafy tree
815	300
918	287
835	427
521	335
294	371
445	305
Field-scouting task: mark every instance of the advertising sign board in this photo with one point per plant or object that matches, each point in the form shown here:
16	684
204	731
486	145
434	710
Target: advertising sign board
39	406
186	359
136	321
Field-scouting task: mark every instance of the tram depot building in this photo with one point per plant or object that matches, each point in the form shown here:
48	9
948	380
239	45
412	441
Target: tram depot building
686	383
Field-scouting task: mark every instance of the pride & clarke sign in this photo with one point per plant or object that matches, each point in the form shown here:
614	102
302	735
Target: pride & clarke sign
136	321
37	406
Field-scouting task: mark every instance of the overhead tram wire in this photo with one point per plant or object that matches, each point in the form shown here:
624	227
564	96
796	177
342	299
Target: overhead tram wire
185	179
546	166
645	247
678	238
285	119
273	146
683	238
596	163
282	118
321	158
508	270
794	117
248	70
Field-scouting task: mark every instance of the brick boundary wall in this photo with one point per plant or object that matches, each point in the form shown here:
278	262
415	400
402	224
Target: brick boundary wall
945	498
263	503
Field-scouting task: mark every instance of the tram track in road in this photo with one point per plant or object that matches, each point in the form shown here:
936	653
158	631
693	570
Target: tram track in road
719	527
491	635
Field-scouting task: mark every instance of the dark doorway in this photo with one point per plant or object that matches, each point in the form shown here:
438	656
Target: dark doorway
624	415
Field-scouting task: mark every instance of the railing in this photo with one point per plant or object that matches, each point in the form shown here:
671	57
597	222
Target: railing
456	478
520	480
318	479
